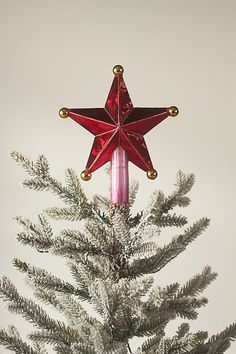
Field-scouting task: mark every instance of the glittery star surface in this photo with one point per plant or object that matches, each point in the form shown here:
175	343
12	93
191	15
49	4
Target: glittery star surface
118	124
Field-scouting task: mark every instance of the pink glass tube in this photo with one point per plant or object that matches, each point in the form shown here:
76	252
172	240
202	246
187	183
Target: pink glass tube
119	177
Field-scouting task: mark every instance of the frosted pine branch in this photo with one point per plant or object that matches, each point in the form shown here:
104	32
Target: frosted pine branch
82	349
183	342
62	349
76	313
167	253
184	183
55	330
157	295
49	297
42	180
164	204
72	249
17	304
43	279
143	249
174	345
151	343
183	329
168	220
28	165
218	343
186	307
39	236
70	213
11	340
157	317
198	283
33	313
221	342
98	234
85	272
54	336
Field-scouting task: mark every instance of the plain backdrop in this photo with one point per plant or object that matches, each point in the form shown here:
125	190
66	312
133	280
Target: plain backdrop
61	53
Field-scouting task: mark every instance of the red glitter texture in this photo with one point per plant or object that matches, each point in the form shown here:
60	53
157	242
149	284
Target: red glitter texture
118	124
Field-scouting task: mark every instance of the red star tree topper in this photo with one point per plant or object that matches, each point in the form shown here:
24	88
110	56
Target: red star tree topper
119	129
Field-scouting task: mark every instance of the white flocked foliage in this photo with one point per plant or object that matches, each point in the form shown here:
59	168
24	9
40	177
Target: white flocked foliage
112	259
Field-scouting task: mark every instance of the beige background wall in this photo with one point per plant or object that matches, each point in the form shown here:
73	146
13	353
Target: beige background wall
56	53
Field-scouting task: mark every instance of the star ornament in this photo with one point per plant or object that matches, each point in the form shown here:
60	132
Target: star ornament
118	124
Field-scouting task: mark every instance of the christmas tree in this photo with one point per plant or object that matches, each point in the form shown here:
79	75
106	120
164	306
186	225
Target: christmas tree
112	260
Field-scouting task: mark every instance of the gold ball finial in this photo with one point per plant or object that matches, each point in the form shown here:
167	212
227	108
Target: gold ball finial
85	175
118	70
173	111
64	112
152	174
